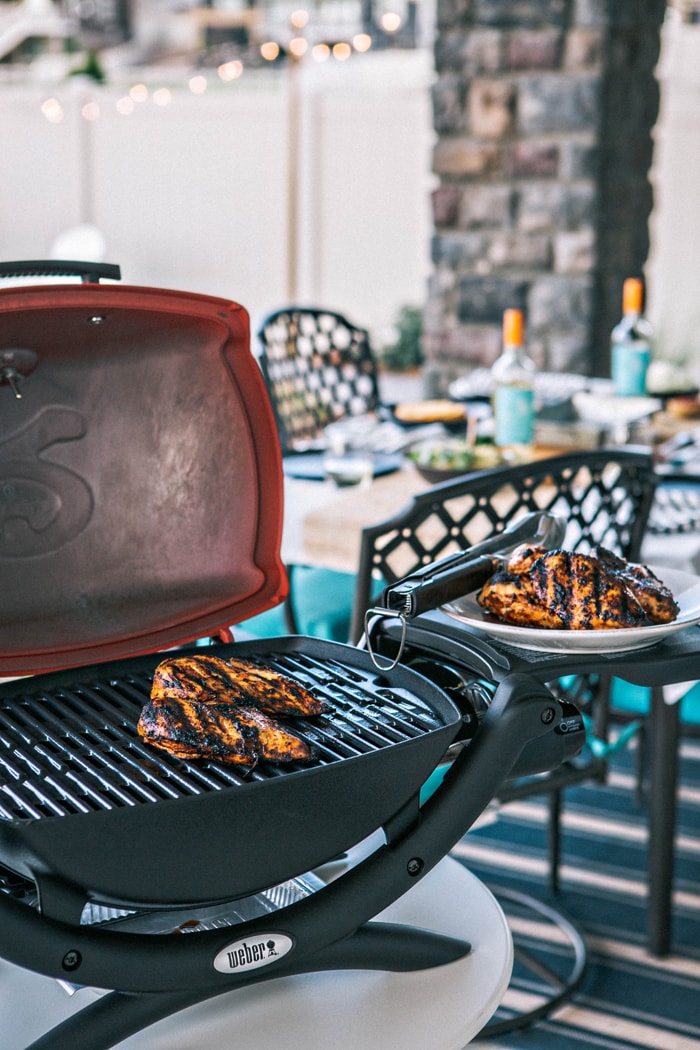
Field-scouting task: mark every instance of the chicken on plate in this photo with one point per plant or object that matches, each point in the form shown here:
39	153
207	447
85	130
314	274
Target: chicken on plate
567	590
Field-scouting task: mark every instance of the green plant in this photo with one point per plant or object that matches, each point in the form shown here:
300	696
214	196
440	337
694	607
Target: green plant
407	351
91	67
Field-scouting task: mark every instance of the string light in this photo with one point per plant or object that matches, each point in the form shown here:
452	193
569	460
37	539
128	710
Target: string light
320	52
299	19
298	46
362	42
230	70
270	50
52	110
390	22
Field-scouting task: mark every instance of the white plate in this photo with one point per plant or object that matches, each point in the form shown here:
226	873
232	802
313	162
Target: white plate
613	410
686	590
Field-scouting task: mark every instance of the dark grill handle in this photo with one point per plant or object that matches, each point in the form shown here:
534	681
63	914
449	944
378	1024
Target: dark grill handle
89	272
413	597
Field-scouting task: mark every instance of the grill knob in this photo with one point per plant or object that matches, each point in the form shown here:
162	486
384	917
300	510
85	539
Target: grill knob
11	376
16	363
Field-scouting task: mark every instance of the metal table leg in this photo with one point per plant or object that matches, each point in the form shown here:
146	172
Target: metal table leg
663	743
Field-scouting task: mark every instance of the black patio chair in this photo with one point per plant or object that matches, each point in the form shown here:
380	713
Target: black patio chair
605	498
676	506
318	367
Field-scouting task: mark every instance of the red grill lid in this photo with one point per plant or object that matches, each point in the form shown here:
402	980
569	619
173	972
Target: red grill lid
140	473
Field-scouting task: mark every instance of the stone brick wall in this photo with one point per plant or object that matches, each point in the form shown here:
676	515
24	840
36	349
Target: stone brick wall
543	111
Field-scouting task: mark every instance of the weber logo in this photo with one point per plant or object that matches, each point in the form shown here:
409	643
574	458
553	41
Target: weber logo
253	952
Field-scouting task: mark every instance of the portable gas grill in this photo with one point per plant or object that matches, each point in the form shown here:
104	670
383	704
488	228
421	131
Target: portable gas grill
142	511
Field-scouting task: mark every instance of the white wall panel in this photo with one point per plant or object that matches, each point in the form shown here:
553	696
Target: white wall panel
194	194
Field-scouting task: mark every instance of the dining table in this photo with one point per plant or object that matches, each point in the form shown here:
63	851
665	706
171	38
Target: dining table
323	526
323	523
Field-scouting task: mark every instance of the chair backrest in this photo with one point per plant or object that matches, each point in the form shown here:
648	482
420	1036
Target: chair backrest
676	506
318	367
604	495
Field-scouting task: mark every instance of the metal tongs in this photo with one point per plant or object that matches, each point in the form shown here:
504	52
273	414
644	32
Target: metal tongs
457	574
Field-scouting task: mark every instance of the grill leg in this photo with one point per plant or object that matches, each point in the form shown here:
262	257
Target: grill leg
374	946
110	1020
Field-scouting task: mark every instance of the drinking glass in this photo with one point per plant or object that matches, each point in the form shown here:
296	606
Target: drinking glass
348	458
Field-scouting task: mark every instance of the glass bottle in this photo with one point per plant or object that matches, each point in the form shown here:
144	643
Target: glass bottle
513	387
630	343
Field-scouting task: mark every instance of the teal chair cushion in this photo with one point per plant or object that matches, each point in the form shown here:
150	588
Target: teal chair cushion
270	624
634	700
321	601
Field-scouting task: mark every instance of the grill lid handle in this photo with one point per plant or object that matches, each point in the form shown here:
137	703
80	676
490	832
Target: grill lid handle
89	272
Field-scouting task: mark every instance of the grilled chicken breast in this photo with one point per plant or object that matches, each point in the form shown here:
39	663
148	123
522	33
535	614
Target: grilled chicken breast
202	706
273	692
210	678
220	731
567	590
511	597
652	594
191	729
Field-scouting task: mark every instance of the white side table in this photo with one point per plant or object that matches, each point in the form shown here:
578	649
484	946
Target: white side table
441	1008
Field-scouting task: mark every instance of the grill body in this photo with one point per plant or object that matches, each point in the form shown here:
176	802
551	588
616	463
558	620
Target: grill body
141	510
93	813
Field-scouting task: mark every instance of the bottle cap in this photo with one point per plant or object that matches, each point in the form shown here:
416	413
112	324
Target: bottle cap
632	296
513	328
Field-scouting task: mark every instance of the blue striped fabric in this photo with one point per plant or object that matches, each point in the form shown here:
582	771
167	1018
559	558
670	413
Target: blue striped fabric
628	999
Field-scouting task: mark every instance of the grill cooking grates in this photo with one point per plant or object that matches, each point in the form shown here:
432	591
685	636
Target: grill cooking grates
75	750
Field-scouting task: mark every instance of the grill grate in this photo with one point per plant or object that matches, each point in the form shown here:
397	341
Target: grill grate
75	750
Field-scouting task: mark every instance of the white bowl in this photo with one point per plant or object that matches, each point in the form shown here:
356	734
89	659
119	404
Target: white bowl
610	411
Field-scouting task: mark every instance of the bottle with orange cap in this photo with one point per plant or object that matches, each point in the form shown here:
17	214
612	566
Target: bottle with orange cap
631	343
513	387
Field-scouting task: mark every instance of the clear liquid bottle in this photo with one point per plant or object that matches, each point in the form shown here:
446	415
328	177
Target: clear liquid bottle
513	386
630	343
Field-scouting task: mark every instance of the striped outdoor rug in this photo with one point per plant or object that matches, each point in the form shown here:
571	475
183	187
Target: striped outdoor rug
627	998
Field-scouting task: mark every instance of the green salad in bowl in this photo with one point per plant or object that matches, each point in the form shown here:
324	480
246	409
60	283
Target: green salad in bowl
440	460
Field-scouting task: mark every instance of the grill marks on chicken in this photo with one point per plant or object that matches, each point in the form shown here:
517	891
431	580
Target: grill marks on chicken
654	596
191	729
206	707
582	594
208	678
511	597
566	590
273	692
220	731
